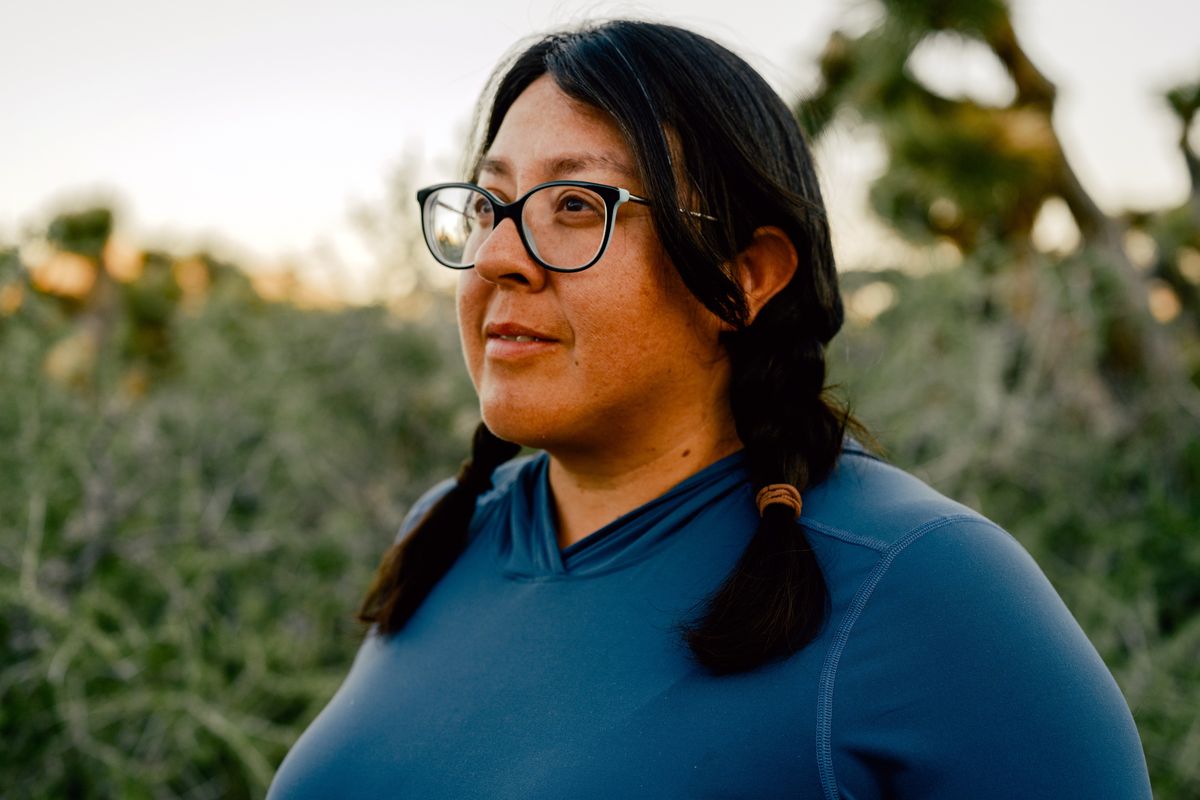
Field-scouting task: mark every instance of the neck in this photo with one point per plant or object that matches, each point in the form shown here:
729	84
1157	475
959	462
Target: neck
593	489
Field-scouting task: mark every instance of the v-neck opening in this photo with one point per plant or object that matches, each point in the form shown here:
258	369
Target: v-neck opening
533	551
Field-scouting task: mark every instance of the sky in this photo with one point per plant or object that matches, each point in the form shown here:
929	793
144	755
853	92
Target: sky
255	127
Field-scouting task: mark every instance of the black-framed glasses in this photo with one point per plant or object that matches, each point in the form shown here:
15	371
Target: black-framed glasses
564	225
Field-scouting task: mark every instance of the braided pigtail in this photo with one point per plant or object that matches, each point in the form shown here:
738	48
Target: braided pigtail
774	601
411	566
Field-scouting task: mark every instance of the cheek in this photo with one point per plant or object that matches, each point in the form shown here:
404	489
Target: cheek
619	298
469	308
607	314
642	325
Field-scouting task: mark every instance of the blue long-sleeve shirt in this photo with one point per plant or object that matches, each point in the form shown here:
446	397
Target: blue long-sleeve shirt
948	667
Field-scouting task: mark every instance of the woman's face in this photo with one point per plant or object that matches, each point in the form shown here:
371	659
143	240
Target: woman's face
622	355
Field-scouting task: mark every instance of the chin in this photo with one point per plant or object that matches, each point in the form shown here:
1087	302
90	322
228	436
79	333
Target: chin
515	424
528	421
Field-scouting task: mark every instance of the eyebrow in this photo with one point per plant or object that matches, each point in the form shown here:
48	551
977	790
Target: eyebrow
562	166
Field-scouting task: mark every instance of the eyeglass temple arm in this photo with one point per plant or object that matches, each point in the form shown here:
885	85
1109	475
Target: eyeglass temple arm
449	207
698	214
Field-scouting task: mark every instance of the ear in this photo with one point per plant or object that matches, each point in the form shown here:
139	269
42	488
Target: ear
764	267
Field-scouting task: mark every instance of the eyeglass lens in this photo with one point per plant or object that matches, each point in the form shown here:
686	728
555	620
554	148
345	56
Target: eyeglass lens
564	225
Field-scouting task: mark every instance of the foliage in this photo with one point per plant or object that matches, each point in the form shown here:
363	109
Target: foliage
181	550
1008	415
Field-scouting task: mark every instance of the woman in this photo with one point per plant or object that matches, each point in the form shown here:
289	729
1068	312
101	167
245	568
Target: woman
700	587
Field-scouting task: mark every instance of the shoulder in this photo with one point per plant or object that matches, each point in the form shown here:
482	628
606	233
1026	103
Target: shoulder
953	656
923	558
867	513
900	556
912	562
503	480
869	502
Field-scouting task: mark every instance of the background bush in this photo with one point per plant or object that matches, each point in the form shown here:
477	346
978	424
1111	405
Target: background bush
183	545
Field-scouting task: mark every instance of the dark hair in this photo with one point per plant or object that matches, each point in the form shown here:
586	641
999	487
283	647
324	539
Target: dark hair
709	133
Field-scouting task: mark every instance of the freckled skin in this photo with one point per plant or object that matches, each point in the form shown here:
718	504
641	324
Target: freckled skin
637	370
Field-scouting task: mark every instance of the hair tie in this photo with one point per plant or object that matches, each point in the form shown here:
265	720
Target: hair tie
783	493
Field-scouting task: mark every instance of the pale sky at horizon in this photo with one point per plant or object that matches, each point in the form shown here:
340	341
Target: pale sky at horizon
253	128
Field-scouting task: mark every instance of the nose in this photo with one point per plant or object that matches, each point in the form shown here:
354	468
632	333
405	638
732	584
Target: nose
503	260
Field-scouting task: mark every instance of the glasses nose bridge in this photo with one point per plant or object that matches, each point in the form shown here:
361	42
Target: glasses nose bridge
514	211
500	212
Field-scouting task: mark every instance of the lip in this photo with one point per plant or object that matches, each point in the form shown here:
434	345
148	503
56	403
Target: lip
502	343
498	329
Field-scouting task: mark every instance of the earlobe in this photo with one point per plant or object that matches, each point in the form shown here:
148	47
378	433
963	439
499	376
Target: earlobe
765	266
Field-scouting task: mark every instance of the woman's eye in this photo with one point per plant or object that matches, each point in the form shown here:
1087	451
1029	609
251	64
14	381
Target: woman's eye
481	207
577	204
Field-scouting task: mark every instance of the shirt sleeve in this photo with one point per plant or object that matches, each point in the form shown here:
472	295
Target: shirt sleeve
963	674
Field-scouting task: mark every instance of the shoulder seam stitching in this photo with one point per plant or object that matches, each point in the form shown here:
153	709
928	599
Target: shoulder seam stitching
829	783
846	536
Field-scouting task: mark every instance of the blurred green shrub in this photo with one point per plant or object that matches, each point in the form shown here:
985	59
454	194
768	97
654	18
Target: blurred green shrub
1099	481
181	552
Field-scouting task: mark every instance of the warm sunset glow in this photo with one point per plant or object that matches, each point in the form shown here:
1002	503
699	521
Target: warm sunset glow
193	278
1189	263
11	297
1141	248
122	259
1164	303
284	285
867	303
65	274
